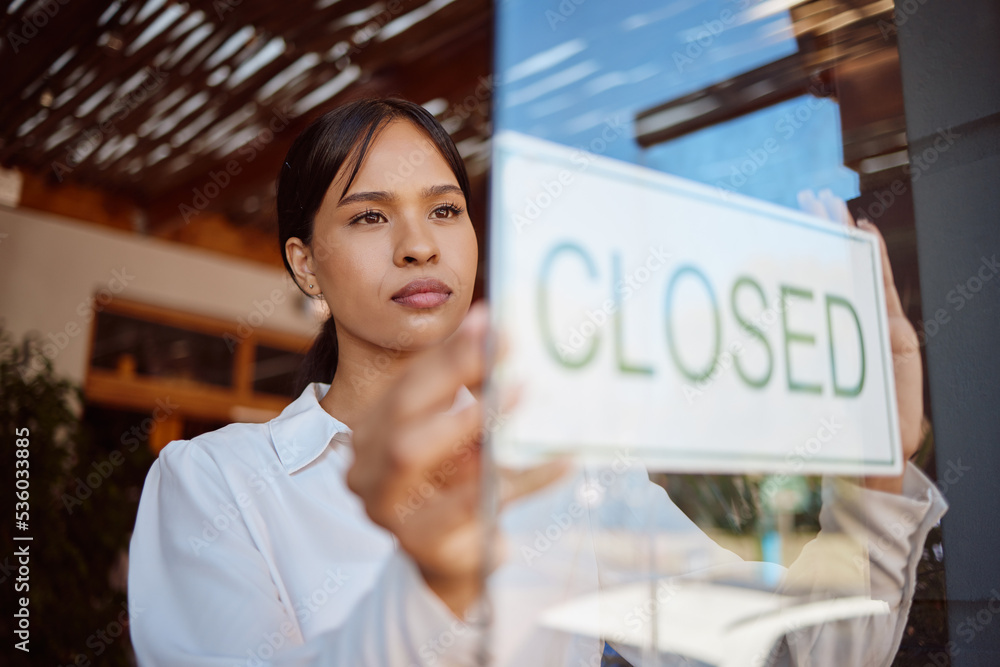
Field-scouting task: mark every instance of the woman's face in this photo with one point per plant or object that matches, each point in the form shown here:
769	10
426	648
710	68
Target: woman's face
396	257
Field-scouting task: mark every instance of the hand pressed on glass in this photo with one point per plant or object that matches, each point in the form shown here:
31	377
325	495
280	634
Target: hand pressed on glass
407	438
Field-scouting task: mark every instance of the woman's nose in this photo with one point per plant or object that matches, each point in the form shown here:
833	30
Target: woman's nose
415	243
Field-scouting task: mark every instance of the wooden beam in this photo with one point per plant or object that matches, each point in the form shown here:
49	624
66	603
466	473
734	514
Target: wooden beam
142	394
206	324
109	72
444	55
455	73
775	82
78	202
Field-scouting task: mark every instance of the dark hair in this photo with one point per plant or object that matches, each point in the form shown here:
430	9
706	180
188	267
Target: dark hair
315	158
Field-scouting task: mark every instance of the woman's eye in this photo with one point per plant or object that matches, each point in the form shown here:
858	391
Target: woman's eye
447	211
368	218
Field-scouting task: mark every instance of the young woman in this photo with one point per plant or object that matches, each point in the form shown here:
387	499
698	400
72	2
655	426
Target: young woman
304	541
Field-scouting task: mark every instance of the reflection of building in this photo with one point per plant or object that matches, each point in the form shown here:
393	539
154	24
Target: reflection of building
846	51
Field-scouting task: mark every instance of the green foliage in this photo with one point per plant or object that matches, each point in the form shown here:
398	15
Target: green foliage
79	538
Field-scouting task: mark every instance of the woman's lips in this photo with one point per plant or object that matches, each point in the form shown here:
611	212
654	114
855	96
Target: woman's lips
423	293
423	299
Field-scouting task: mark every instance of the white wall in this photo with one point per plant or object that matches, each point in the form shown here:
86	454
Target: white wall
51	267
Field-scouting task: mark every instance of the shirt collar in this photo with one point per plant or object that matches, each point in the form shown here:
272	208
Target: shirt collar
304	429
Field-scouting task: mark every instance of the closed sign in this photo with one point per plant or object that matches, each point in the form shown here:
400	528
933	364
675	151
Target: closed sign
694	329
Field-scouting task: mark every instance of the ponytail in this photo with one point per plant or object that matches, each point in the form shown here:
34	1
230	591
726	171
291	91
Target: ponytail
320	364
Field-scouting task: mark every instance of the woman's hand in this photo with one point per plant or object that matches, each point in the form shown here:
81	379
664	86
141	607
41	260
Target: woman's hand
907	368
417	468
906	361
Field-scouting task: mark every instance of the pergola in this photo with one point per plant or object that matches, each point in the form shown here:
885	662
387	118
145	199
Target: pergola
171	118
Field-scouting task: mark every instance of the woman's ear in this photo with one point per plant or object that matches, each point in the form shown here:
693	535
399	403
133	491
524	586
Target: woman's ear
300	258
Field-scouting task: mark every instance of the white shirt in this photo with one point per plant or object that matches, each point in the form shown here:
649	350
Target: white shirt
250	549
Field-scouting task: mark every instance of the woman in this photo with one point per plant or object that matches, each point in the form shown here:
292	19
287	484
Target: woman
302	541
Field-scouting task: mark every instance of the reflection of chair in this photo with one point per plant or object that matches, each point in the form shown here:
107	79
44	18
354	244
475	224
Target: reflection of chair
721	625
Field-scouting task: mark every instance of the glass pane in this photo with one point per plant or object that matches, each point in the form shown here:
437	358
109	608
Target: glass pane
638	561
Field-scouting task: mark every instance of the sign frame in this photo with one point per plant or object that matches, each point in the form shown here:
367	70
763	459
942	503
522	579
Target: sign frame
510	146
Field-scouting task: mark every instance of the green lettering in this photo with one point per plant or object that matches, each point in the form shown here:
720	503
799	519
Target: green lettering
543	305
692	375
837	389
623	366
752	330
794	336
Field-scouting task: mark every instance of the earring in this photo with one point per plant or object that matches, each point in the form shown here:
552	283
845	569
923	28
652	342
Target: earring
310	287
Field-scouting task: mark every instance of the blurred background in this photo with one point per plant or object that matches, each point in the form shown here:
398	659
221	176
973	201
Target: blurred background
142	293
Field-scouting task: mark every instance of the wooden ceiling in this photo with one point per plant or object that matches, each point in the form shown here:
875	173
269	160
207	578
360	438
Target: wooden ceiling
171	118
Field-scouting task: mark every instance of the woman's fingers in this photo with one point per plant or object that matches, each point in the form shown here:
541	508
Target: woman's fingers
418	465
892	301
907	365
442	444
444	533
835	208
436	446
434	379
444	508
396	459
810	203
